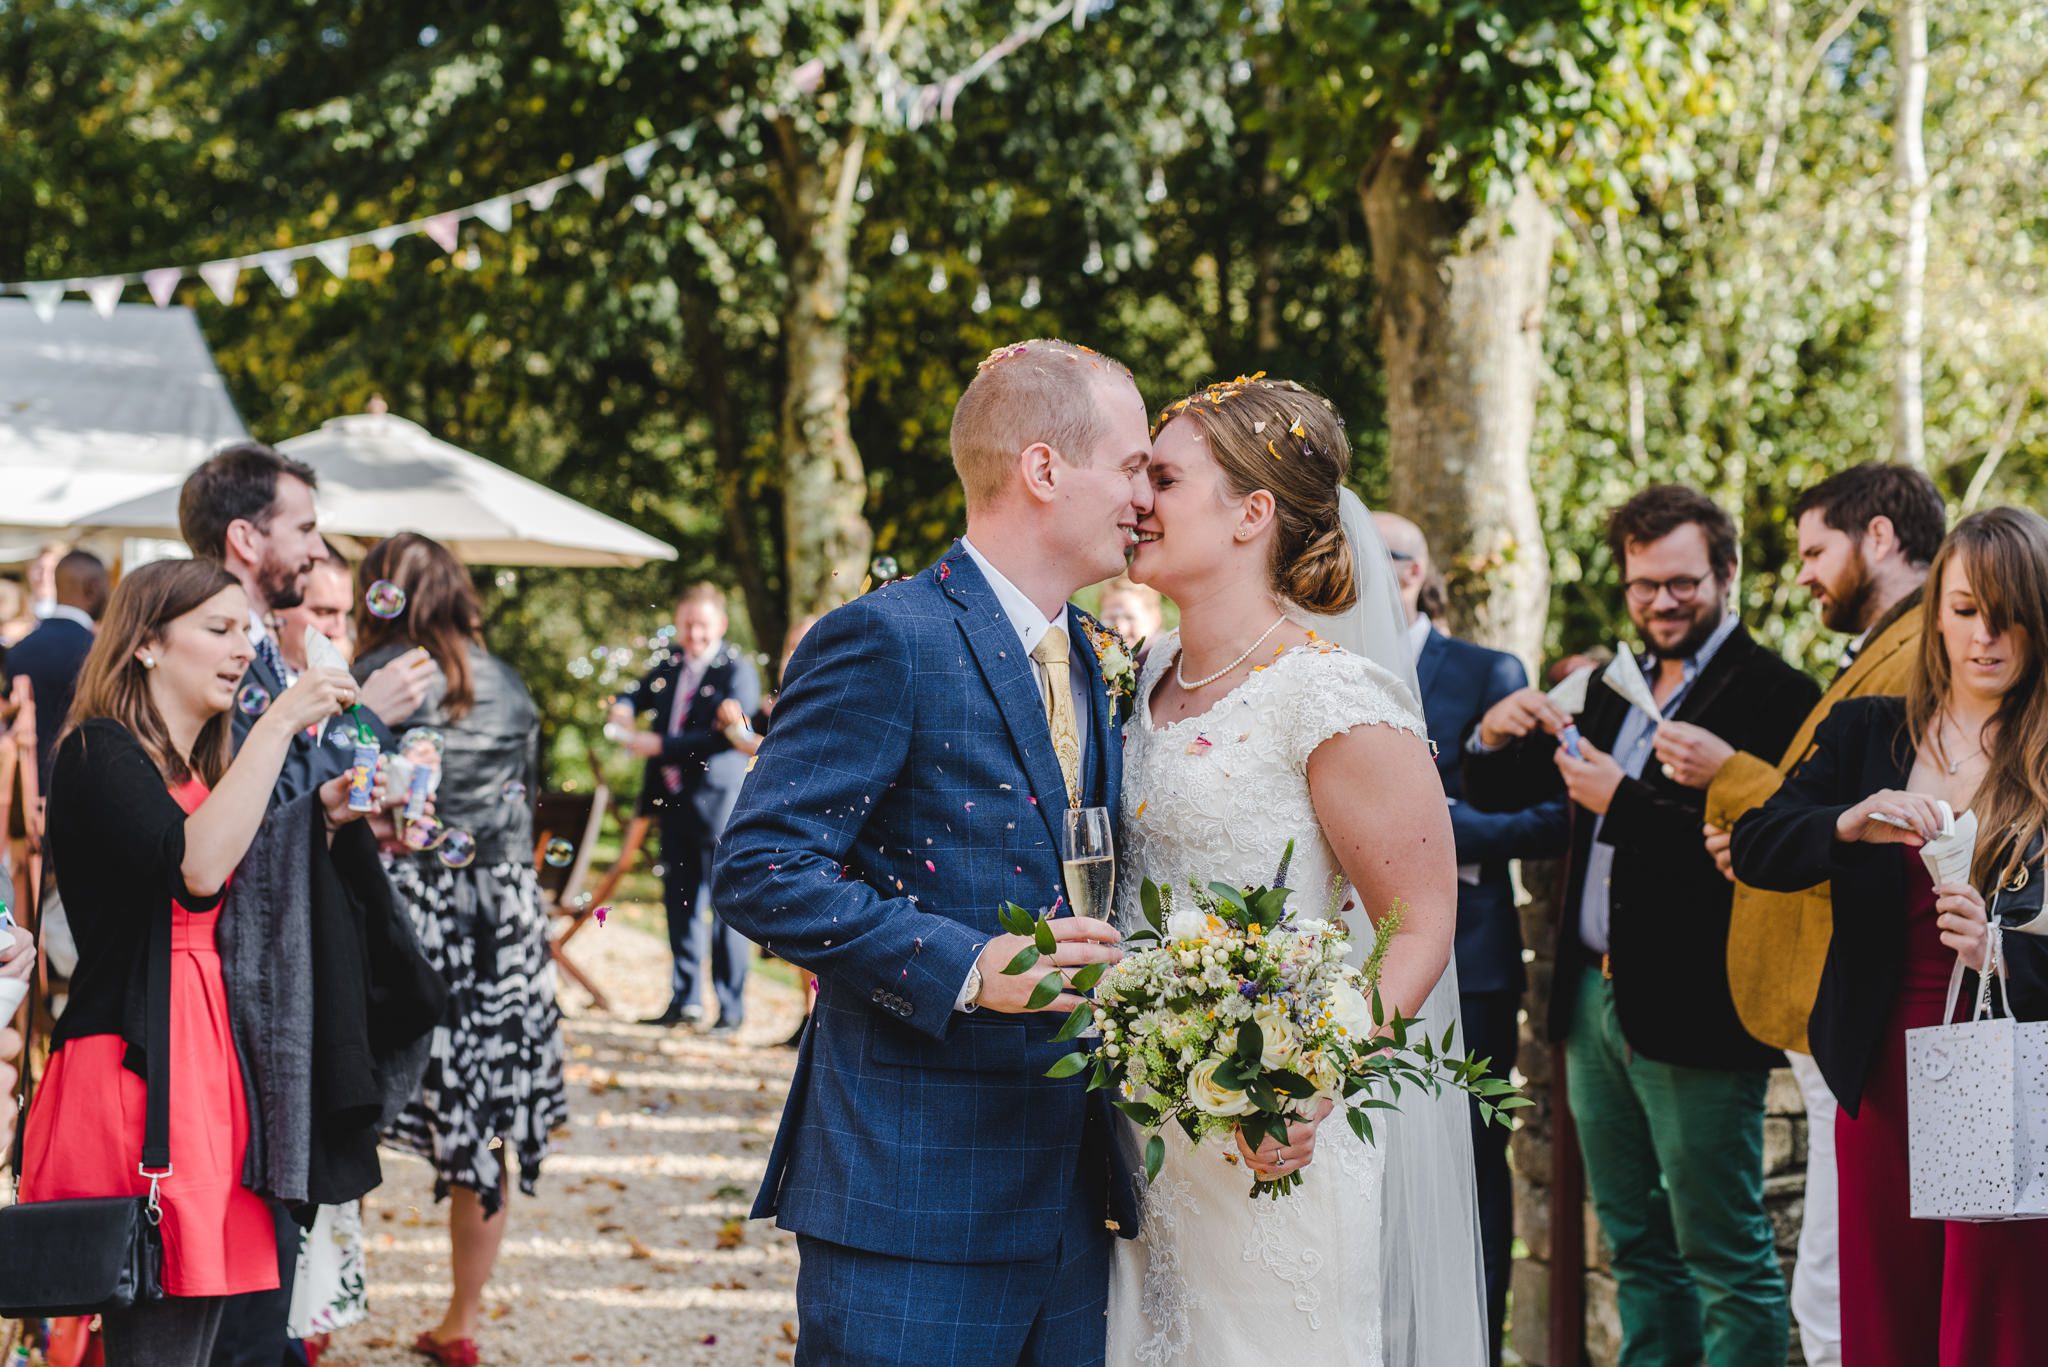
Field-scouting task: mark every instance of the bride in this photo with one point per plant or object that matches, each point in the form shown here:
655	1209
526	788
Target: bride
1285	708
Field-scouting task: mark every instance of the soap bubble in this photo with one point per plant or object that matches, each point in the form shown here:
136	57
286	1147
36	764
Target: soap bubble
559	853
384	599
424	833
513	791
421	745
458	849
254	699
884	568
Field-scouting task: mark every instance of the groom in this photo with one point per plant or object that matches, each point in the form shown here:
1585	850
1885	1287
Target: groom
952	1204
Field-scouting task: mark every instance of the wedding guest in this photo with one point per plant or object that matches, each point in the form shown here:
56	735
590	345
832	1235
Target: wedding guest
42	577
1971	731
694	772
493	1089
148	819
250	509
51	656
1865	537
16	621
1132	611
1460	681
329	594
1666	1089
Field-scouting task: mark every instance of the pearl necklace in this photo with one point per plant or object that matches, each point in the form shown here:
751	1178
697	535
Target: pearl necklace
1189	686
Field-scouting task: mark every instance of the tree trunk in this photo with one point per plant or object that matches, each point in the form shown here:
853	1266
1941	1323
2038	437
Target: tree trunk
768	616
1909	42
1461	336
824	487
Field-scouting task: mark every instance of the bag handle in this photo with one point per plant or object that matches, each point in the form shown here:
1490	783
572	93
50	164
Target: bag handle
156	1124
1994	956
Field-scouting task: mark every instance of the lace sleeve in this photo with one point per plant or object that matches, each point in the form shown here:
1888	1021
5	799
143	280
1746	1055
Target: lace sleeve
1332	691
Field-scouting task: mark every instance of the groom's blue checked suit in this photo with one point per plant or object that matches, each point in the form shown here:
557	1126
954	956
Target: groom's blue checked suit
953	1204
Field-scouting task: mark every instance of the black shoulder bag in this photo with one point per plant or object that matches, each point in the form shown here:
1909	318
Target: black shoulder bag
82	1257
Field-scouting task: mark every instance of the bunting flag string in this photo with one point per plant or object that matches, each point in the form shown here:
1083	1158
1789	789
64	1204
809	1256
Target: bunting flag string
911	104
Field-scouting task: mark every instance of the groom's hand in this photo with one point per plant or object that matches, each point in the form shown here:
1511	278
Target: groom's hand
1082	940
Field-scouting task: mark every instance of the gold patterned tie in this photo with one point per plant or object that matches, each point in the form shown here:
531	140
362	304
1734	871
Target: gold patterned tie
1051	655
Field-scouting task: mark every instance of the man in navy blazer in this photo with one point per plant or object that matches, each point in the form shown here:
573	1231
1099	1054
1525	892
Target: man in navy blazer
952	1204
693	778
53	654
1460	681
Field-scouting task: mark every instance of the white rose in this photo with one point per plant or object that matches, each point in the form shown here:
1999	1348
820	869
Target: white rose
1350	1010
1186	925
1207	1096
1280	1038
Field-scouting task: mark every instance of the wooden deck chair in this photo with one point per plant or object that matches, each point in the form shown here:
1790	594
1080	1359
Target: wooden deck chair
577	817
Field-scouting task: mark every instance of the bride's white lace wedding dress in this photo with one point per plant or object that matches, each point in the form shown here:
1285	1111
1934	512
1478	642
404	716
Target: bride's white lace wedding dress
1217	1278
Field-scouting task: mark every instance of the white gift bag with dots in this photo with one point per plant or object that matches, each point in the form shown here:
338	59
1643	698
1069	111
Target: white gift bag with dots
1977	1110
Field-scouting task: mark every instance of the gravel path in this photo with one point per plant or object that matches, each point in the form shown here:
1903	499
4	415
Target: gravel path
637	1249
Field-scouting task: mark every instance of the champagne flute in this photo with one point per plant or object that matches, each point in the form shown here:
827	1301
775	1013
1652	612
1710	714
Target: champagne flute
1088	862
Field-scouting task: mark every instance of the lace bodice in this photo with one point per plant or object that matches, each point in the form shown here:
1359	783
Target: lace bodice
1216	1278
1218	796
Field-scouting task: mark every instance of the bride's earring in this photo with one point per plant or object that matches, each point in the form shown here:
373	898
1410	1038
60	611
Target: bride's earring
149	662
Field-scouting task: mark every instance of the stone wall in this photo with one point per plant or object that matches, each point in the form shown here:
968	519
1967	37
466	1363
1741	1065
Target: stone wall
1530	1155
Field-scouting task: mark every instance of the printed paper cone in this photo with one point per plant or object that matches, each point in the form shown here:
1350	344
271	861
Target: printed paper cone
1948	855
1625	677
162	283
1569	692
220	277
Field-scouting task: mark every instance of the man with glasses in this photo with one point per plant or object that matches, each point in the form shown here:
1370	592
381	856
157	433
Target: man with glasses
1665	1087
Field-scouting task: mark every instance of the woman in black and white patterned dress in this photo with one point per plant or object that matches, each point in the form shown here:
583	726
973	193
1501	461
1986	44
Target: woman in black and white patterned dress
493	1087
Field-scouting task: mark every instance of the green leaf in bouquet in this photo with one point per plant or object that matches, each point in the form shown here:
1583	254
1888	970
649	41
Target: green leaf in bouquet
1140	1113
1269	906
1229	896
1079	1019
1014	919
1263	1097
1290	1083
1101	1077
1148	898
1286	858
1155	1154
1026	957
1450	1033
1088	976
1187	1125
1068	1064
1360	1126
1042	934
1141	937
1042	995
1251	1043
1379	1010
1233	1075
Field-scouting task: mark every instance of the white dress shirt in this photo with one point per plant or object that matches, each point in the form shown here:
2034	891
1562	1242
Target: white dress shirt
64	612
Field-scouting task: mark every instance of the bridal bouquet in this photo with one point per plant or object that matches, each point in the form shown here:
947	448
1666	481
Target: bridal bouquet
1228	1012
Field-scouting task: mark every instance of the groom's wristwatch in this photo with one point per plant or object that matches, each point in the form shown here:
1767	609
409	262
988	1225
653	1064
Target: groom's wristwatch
970	991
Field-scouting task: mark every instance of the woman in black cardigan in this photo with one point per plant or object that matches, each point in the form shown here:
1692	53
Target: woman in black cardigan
1973	731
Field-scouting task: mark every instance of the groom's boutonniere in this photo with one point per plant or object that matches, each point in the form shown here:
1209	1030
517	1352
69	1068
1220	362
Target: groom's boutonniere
1119	672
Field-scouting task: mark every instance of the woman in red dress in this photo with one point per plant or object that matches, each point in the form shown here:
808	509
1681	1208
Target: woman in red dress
148	818
1973	732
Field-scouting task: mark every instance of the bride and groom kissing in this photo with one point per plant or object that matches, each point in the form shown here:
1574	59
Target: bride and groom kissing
953	1204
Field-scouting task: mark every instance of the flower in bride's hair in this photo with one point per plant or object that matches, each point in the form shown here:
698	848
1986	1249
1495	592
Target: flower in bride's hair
1210	1097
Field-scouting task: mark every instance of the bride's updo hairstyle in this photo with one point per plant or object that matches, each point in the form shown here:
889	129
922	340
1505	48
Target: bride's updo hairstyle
1278	436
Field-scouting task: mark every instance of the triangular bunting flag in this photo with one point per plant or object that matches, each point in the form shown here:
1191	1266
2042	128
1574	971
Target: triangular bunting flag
591	178
1080	14
637	158
282	273
542	196
220	277
163	283
384	239
497	213
684	138
333	254
728	121
445	229
44	296
104	292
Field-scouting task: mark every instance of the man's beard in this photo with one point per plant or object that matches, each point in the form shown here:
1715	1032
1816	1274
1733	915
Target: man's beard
282	586
1847	609
1704	625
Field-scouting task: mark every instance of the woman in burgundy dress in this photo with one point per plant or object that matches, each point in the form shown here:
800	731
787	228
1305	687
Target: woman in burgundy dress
1973	732
148	818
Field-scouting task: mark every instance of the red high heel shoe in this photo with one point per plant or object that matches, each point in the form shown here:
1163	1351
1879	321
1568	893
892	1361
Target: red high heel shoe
453	1353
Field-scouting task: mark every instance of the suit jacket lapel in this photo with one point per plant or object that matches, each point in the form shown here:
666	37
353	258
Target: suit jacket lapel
1100	780
1012	679
1725	665
1433	652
